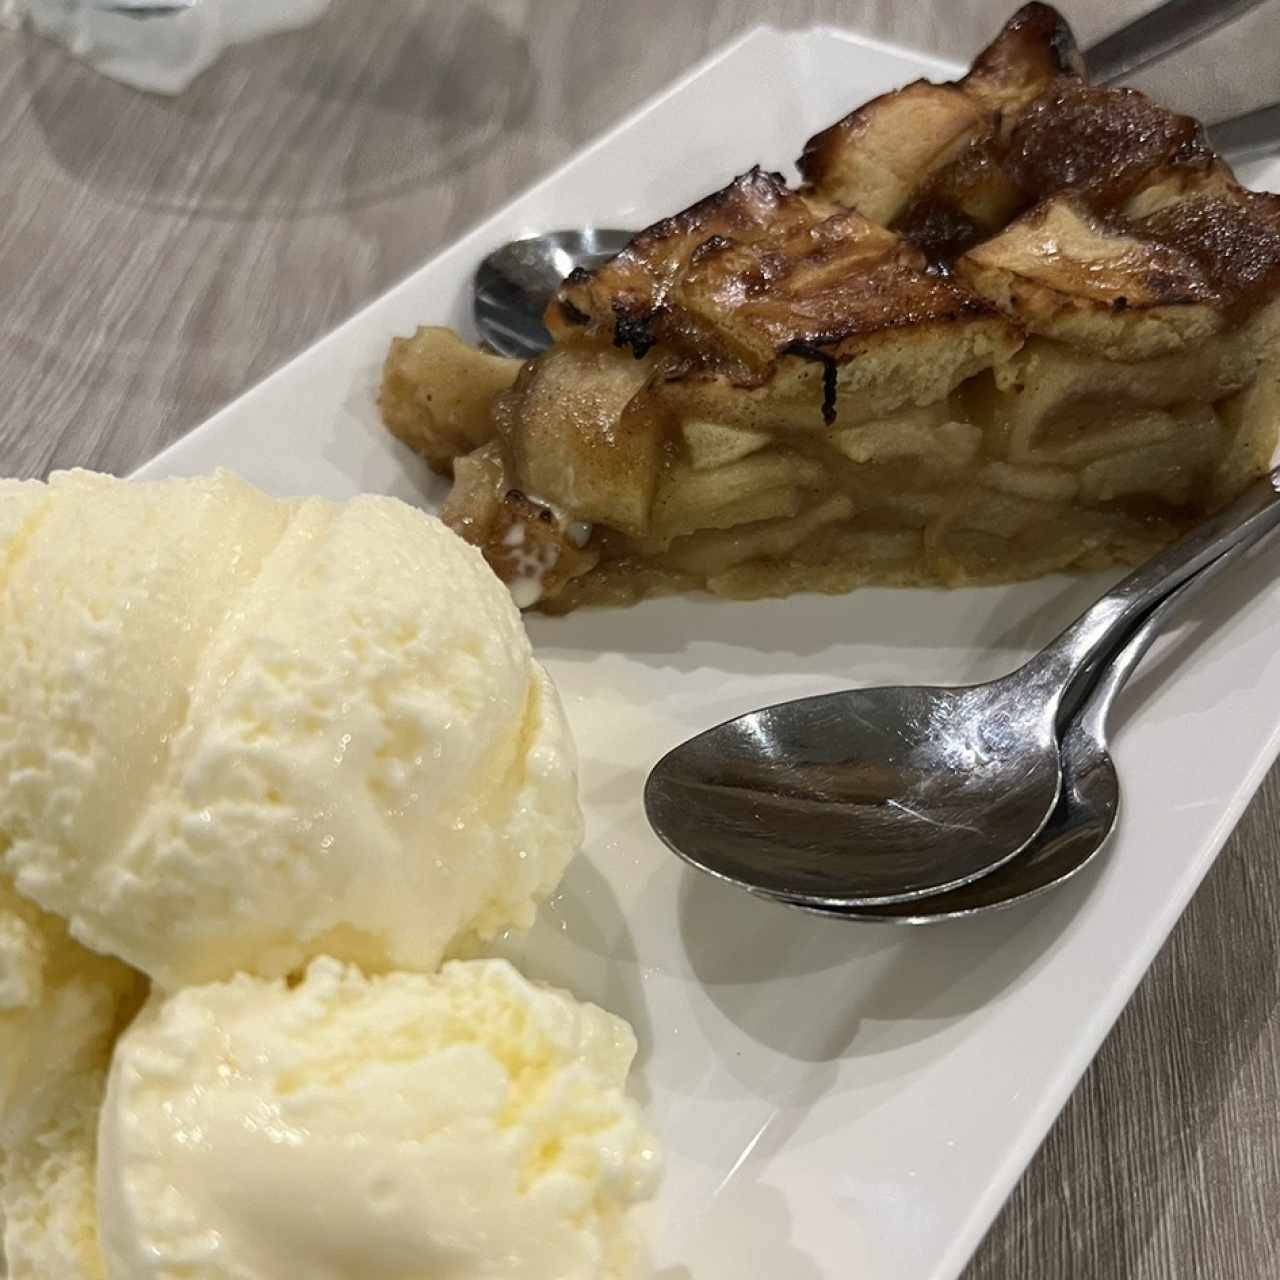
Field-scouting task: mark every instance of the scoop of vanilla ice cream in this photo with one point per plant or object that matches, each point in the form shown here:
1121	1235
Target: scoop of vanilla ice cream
60	1009
469	1125
237	732
48	1195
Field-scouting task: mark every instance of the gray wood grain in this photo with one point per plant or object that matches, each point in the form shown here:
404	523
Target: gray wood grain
158	256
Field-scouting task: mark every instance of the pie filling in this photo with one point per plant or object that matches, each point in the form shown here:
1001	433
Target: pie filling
1008	326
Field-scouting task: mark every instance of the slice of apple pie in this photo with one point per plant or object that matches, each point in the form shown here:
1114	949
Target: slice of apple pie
1007	326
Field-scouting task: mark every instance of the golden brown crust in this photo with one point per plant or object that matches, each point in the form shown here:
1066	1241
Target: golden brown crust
1067	274
1025	127
1132	288
962	203
1010	325
756	271
809	290
777	280
625	294
929	160
875	159
1234	238
1099	142
1035	46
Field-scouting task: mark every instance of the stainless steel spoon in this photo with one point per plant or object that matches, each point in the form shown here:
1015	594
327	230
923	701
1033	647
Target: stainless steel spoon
891	794
1249	136
514	283
1155	35
1087	809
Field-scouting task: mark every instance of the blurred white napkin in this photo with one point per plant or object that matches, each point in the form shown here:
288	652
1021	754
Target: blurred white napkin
162	54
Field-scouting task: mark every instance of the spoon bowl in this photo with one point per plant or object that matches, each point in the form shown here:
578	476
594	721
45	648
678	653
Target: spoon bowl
1084	818
514	284
1079	828
880	796
798	793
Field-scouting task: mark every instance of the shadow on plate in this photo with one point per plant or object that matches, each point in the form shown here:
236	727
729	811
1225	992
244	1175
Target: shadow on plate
583	942
992	630
1209	621
697	632
371	101
1024	622
747	1234
823	1007
869	989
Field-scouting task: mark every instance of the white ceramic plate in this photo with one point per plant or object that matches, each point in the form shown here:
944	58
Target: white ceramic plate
835	1100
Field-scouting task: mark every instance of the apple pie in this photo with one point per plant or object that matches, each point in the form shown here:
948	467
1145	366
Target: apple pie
1003	327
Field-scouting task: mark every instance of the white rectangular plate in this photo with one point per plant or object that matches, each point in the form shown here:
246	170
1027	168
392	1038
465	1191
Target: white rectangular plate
834	1100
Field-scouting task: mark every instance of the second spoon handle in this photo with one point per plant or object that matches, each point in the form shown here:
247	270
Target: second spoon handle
1155	35
1094	635
1246	137
1114	676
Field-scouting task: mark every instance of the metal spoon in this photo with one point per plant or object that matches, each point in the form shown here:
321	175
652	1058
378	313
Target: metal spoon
514	284
890	794
1249	136
1155	35
1085	817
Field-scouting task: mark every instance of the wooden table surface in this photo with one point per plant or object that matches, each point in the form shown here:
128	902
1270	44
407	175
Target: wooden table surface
159	255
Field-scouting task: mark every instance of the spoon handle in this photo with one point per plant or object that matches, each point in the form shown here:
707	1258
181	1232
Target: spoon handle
1115	675
1066	661
1166	29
